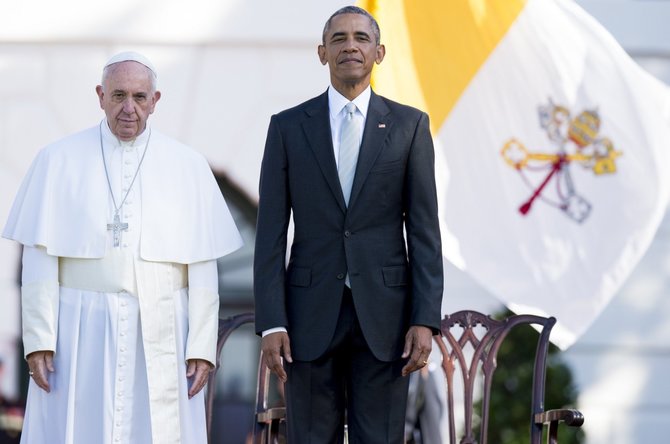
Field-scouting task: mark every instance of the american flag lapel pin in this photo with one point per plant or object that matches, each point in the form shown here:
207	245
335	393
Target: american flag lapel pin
381	125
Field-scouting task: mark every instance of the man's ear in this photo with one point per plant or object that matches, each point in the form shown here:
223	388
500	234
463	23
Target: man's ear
100	93
322	54
381	52
156	97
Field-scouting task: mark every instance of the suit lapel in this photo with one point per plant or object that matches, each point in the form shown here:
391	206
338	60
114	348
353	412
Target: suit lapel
317	130
378	124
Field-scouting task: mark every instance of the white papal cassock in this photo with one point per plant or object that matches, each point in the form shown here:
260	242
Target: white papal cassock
122	321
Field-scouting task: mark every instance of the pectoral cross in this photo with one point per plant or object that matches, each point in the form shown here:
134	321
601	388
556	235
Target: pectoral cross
116	227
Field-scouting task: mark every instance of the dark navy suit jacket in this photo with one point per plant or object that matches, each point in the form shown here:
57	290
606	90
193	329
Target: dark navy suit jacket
395	281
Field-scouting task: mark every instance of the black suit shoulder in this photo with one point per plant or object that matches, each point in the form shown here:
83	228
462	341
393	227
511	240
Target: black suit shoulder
306	108
318	106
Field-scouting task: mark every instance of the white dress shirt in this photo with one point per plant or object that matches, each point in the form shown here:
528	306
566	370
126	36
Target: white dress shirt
336	104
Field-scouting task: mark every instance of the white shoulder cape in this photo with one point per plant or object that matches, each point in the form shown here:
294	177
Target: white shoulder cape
62	203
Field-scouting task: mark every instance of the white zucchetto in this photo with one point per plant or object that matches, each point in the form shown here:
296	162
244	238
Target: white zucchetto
131	56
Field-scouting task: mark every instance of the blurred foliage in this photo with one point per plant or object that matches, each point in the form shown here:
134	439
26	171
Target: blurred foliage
511	393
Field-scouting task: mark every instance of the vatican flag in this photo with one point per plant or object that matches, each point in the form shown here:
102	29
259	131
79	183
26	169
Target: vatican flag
551	146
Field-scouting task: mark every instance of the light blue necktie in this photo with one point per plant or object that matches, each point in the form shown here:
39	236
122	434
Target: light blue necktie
349	148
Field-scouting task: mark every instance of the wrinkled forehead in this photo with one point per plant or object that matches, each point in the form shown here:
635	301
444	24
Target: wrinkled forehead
365	22
128	68
350	22
129	73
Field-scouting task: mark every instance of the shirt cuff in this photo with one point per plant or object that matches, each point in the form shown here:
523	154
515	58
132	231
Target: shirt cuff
264	333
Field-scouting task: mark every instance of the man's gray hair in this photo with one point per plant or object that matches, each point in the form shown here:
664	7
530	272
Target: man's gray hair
353	10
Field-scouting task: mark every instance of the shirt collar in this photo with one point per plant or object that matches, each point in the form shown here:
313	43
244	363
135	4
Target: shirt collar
336	101
114	142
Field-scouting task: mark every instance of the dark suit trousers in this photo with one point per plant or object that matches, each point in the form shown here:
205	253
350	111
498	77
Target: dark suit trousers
347	378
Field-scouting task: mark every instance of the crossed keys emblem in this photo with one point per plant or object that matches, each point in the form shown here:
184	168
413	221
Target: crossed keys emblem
577	141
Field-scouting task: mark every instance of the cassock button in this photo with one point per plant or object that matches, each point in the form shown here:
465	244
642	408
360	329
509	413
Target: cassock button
340	276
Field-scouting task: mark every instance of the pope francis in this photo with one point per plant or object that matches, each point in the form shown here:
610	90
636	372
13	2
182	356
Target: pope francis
121	227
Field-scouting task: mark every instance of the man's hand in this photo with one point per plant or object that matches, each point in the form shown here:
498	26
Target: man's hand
418	343
275	346
40	363
198	369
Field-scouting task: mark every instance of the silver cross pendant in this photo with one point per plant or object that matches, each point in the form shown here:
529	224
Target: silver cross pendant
116	228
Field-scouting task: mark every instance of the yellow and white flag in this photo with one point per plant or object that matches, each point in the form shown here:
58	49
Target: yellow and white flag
552	146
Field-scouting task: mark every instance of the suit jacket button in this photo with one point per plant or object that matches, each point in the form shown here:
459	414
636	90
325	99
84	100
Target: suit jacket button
347	233
340	276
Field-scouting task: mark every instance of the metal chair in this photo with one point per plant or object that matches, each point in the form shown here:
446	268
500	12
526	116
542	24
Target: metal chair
469	342
226	328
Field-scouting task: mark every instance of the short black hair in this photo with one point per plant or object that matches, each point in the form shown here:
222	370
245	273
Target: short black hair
353	10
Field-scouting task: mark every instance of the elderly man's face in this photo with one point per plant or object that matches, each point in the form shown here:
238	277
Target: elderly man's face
127	98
